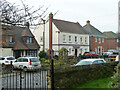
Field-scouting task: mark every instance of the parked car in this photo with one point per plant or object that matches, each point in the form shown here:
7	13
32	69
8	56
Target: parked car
90	61
113	56
89	55
27	63
7	60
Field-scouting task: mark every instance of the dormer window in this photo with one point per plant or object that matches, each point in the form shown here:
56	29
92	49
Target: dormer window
9	39
29	40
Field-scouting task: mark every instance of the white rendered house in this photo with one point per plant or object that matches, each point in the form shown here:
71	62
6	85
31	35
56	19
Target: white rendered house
69	35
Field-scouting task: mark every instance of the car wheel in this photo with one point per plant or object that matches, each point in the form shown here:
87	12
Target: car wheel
25	69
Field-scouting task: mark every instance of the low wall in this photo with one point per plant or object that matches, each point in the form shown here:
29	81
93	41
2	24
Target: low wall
66	77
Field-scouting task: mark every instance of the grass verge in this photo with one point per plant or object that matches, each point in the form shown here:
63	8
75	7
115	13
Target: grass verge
100	83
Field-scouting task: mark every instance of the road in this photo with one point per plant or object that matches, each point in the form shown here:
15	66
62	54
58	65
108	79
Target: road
25	80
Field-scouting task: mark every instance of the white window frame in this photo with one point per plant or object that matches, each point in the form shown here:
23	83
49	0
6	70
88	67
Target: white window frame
70	38
64	38
70	50
76	39
29	40
85	39
102	40
81	39
95	39
99	40
10	39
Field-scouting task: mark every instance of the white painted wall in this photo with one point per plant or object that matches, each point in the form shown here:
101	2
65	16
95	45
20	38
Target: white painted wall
6	52
58	39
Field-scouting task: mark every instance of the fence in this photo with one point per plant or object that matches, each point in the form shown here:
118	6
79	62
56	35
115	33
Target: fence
24	80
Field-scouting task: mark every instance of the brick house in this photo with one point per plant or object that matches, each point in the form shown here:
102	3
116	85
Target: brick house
112	40
97	39
18	41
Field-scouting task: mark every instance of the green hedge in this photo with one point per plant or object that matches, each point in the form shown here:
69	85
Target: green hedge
66	77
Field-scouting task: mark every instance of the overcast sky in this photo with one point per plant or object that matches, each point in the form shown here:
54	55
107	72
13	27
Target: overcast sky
103	14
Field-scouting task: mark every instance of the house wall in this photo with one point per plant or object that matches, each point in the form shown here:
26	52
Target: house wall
57	40
38	33
112	44
6	52
95	46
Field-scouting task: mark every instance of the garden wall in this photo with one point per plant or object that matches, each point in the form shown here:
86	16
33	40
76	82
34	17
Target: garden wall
66	77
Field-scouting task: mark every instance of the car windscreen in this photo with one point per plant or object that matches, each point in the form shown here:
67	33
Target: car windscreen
84	62
34	60
11	58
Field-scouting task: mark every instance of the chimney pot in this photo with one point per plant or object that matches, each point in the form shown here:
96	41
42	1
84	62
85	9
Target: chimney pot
88	22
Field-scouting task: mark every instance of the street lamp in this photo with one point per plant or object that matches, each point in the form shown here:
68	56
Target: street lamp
43	34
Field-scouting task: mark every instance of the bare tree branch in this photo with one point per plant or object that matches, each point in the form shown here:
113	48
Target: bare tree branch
14	15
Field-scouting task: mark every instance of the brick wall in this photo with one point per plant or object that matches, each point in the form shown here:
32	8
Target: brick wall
94	44
112	44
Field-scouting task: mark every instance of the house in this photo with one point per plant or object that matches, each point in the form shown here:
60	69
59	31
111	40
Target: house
97	39
69	35
18	41
112	40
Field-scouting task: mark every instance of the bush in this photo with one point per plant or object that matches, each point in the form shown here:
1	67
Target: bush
66	77
42	54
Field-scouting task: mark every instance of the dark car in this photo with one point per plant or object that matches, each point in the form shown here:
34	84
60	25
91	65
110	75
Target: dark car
90	55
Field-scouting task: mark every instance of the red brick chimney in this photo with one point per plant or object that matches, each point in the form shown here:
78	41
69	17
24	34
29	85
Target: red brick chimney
50	50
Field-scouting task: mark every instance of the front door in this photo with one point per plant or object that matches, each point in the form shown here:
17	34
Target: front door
75	52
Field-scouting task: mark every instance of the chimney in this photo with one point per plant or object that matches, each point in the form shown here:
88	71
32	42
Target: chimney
88	22
27	24
50	50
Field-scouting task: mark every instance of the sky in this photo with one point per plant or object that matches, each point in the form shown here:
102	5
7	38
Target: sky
103	14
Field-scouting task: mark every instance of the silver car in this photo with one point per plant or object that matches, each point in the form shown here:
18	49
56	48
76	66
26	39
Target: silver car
27	63
90	61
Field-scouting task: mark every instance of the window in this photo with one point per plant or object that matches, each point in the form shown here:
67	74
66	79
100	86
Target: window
81	39
95	39
34	60
32	53
95	62
10	39
29	39
19	60
81	51
99	40
69	50
100	61
75	38
103	50
96	50
85	39
25	60
117	40
85	49
70	38
102	40
64	38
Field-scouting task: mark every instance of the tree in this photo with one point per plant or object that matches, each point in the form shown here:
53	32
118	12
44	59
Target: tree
116	78
63	54
15	15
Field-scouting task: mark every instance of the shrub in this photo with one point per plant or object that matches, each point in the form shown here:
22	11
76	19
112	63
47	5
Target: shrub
63	54
42	54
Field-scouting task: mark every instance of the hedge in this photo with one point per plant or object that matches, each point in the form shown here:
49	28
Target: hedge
67	77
